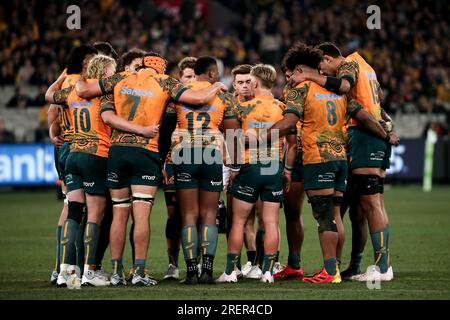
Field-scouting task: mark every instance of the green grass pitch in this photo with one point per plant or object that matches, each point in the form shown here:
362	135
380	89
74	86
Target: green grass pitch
420	254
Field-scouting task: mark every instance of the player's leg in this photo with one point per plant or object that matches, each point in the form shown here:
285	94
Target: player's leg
105	228
270	219
340	186
59	235
173	231
250	242
293	202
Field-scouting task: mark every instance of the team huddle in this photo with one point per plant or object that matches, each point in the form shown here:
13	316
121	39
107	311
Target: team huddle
122	128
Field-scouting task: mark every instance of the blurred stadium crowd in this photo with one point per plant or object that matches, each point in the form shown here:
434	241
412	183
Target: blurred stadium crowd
410	53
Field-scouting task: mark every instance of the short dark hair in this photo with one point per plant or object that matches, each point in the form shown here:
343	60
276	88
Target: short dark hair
329	49
76	57
241	69
106	49
300	53
203	64
129	56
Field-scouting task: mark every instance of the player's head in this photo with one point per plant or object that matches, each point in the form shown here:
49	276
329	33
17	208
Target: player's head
263	76
131	60
79	58
331	58
206	67
106	49
186	67
242	81
300	57
153	60
100	67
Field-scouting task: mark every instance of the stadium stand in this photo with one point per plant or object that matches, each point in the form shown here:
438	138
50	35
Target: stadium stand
410	52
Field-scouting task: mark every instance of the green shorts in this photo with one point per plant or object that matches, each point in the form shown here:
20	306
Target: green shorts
86	171
61	155
170	186
367	151
195	173
258	180
132	166
297	170
327	175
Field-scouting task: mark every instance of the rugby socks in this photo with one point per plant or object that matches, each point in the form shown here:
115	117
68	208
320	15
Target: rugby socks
330	266
379	248
80	246
386	231
232	259
294	261
91	237
68	247
259	247
251	255
355	262
277	258
59	234
269	261
189	242
139	266
209	237
117	267
131	238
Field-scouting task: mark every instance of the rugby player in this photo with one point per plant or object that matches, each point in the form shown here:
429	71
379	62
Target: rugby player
60	131
197	158
259	177
324	158
134	162
369	156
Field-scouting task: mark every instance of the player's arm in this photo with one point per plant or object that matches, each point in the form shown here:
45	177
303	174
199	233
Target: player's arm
110	117
291	150
168	125
54	133
56	87
355	110
180	93
89	89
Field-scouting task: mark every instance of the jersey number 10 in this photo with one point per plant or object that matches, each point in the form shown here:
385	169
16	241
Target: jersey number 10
81	120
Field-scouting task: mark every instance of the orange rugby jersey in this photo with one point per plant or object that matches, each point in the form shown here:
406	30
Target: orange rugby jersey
65	116
202	124
365	89
90	134
258	114
323	115
140	98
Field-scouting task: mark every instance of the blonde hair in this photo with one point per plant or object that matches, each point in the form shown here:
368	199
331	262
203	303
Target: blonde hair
188	62
97	66
266	74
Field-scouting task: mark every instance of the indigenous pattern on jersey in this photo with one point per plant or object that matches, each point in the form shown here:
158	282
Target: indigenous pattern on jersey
140	98
323	114
299	123
65	117
201	126
256	115
366	87
90	133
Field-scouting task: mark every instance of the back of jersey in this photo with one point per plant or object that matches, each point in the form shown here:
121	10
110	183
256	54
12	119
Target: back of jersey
365	90
324	116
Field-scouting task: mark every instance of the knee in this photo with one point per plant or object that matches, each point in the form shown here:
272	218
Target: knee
323	211
76	211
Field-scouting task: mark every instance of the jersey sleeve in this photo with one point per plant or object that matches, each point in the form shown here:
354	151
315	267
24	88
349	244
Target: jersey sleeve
60	96
231	105
107	103
353	106
172	87
107	85
285	93
296	99
171	110
348	70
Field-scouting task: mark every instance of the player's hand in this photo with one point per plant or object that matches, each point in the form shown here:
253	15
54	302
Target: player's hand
233	175
221	87
296	78
150	131
394	139
166	178
287	180
57	141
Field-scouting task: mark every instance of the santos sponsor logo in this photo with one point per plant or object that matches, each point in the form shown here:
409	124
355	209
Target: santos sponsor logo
31	164
136	92
327	177
327	96
113	177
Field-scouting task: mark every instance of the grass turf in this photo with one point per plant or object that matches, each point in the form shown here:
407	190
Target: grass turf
419	246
